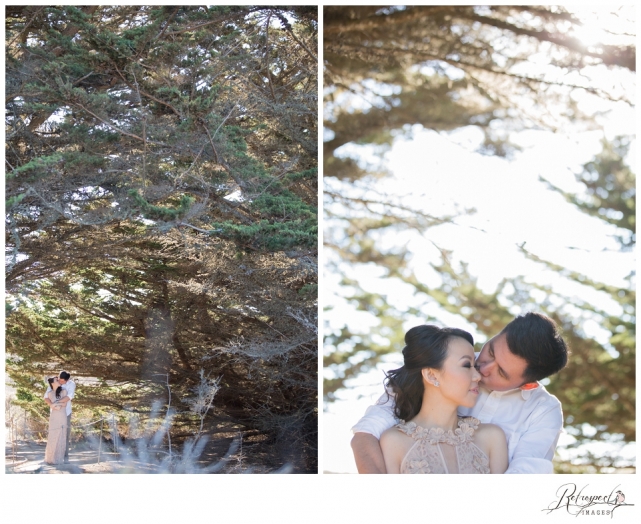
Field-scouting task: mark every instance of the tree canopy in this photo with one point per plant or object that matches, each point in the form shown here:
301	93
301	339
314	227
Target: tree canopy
445	67
393	70
161	214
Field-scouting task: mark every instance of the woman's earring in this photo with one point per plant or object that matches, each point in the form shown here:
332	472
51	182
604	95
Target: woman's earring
436	383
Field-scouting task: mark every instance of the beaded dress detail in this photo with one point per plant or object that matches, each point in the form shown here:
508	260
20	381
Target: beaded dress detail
440	451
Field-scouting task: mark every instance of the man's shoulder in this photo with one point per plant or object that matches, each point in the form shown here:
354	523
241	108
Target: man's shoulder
542	402
544	395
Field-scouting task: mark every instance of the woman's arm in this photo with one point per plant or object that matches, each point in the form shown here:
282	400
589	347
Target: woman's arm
496	444
64	398
393	446
50	399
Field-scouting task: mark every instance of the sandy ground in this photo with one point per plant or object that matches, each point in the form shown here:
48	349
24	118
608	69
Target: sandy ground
29	458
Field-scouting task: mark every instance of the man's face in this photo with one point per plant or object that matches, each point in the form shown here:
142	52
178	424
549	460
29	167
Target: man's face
500	369
62	381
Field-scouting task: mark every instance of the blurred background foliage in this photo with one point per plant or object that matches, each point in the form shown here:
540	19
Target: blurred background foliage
500	69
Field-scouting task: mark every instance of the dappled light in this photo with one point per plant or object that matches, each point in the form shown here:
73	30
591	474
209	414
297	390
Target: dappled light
162	226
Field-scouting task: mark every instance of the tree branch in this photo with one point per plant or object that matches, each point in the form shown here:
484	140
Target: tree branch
114	127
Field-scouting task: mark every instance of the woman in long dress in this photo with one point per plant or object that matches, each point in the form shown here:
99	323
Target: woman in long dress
437	377
57	437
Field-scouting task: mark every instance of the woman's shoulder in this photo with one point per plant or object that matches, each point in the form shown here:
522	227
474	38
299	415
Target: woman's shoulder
489	433
489	428
491	440
394	437
395	444
392	433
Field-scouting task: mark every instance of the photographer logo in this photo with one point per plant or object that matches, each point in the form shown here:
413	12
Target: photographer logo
587	502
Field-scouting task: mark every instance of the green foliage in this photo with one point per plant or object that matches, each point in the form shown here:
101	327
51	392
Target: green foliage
130	131
162	213
610	192
24	395
277	236
440	67
38	166
309	289
14	200
308	174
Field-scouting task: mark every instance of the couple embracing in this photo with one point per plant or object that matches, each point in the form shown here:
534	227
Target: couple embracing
58	397
449	410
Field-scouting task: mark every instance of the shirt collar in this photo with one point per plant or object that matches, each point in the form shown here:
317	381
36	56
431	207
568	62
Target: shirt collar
525	393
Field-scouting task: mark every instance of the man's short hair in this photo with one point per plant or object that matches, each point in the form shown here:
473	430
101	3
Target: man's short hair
536	338
64	375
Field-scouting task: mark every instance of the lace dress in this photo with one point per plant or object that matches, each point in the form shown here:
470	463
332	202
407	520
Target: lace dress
440	451
57	438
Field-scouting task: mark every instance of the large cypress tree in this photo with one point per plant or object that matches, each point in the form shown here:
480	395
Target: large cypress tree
161	211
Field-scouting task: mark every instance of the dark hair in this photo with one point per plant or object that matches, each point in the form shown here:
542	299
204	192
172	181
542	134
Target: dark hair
536	338
64	375
425	347
59	390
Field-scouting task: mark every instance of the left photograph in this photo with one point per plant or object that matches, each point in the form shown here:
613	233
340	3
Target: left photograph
161	239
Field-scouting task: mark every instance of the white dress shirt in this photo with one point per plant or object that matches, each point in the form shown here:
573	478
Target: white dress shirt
531	419
70	388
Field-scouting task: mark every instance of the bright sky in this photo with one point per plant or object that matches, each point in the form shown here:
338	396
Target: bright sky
437	173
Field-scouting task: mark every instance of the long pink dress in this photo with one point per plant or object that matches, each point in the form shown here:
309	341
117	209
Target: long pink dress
57	438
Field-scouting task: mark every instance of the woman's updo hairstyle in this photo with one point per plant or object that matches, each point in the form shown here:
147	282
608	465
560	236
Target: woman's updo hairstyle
425	347
59	390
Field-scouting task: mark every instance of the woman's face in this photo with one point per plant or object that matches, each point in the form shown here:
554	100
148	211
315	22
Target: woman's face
458	379
56	384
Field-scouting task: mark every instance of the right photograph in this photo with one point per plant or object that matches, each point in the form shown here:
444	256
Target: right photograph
479	239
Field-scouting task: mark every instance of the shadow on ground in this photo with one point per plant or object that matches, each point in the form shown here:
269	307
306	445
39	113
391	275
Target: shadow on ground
27	457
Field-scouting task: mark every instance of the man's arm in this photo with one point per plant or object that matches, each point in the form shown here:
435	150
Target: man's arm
367	431
47	399
63	400
535	449
367	453
70	389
